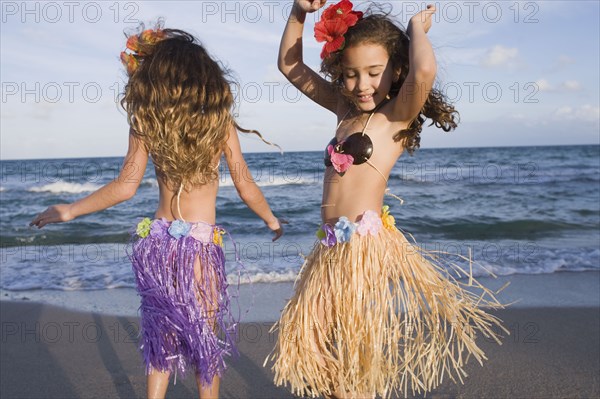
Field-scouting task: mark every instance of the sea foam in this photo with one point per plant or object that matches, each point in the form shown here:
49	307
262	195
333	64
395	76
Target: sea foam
65	187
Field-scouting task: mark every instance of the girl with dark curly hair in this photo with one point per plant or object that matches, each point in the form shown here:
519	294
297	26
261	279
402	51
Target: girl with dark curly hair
372	312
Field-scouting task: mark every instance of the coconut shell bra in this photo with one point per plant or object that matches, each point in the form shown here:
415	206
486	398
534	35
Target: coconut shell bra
355	149
357	145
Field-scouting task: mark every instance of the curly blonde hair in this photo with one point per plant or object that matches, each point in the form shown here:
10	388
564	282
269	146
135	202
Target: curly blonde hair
378	28
178	102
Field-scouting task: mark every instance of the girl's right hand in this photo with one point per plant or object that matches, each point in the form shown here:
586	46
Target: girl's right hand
309	6
54	214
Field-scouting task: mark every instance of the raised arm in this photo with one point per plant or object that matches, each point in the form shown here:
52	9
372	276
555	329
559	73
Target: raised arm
247	189
121	189
421	75
291	61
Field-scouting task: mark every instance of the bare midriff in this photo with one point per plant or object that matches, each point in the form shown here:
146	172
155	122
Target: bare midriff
360	189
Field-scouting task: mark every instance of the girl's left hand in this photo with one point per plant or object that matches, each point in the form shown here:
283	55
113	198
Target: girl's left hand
278	228
309	6
423	18
54	214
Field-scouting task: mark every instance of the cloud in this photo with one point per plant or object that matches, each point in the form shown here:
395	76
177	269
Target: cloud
518	117
543	85
571	85
568	85
42	111
565	60
562	63
587	113
261	36
500	56
449	55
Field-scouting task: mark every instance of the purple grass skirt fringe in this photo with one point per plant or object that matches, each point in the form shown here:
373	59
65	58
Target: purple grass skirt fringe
186	318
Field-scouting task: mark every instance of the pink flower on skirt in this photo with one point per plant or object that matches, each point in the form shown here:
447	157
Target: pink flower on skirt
369	224
202	232
341	162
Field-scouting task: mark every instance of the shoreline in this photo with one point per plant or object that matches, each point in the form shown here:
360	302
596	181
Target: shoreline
263	302
50	352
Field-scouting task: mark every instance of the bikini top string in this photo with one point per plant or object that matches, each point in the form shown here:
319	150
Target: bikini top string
178	200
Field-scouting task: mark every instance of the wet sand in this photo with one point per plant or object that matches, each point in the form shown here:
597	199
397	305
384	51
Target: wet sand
51	352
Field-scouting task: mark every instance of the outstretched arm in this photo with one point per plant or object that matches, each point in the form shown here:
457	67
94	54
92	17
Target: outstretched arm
247	189
121	189
291	61
421	75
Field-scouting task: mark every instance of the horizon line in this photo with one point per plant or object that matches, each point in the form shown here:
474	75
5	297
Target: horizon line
288	152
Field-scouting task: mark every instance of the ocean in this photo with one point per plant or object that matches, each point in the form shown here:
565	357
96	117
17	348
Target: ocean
516	210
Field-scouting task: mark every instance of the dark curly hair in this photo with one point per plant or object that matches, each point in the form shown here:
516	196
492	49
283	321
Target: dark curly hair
378	28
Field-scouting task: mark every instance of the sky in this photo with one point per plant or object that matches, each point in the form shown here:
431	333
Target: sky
519	73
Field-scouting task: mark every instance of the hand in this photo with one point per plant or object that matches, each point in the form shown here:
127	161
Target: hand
277	228
54	214
423	18
309	6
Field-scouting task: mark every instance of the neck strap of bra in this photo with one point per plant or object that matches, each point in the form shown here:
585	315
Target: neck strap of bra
366	124
368	120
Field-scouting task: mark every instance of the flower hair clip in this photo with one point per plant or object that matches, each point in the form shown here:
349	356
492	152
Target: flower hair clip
138	46
334	24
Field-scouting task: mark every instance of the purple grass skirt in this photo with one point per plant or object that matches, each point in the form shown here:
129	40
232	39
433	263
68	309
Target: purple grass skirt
186	320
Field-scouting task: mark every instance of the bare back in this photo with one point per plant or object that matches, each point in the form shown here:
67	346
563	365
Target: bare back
196	204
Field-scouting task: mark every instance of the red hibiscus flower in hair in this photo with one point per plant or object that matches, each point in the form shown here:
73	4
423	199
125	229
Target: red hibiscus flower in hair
140	46
133	43
130	61
152	36
334	24
149	37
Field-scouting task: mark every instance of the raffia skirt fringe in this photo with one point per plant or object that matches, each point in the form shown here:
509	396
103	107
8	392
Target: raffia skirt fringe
378	315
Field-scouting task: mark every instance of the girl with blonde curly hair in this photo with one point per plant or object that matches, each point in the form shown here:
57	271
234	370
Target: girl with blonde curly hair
179	103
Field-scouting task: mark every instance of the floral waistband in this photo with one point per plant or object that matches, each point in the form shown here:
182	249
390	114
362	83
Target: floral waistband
162	228
343	230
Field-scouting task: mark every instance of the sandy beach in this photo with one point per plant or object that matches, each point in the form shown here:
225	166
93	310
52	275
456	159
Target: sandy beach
53	352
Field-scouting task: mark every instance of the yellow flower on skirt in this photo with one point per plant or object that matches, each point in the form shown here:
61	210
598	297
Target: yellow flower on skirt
388	220
218	236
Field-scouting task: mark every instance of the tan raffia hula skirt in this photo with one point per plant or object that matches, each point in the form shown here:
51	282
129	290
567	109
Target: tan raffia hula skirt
373	314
